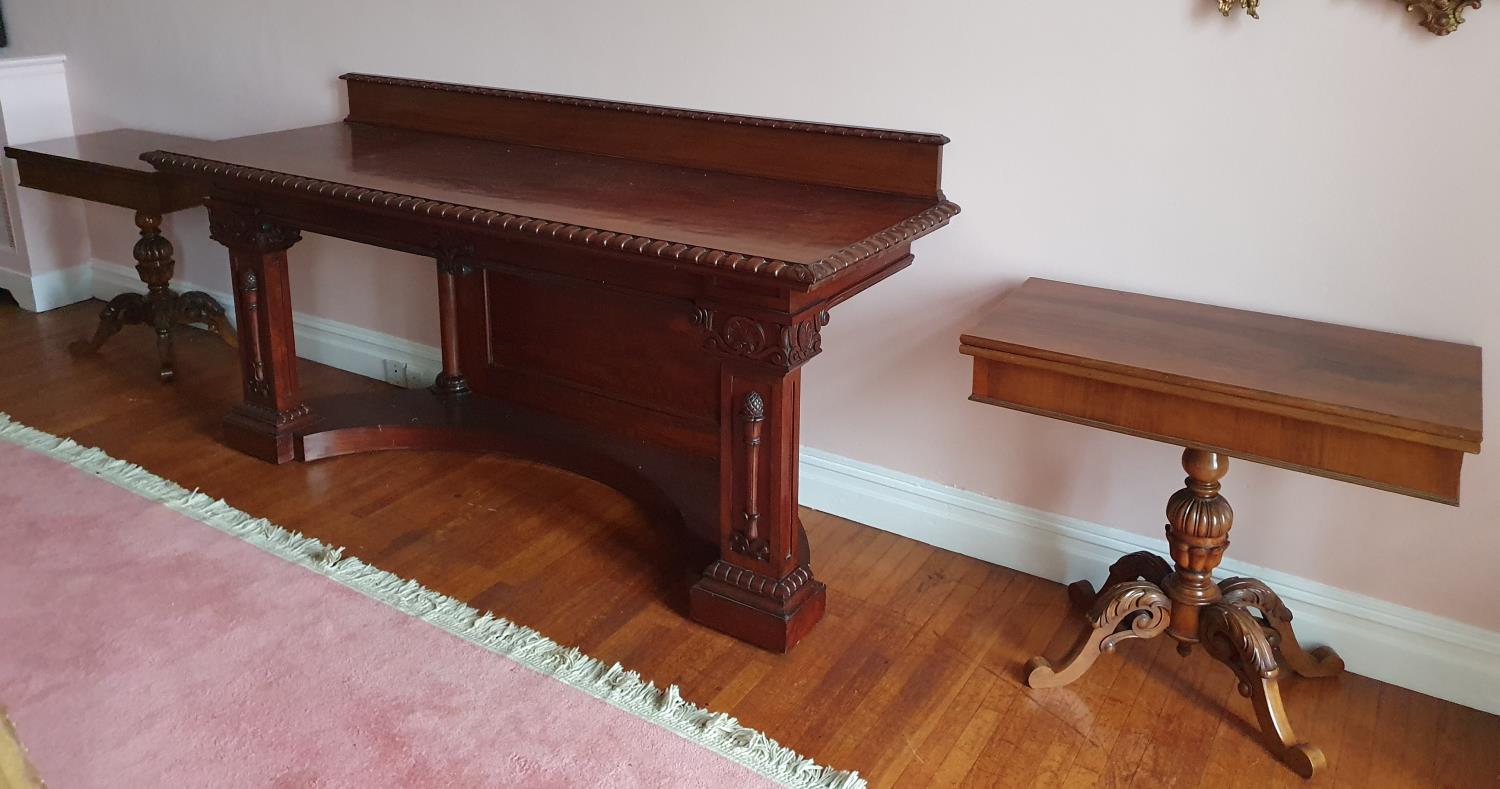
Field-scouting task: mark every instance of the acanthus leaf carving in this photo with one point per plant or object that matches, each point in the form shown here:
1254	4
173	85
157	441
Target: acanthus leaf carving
1236	638
243	227
781	344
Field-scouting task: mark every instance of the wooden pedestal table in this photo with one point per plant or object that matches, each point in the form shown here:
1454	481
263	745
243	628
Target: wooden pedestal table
1384	410
106	168
628	292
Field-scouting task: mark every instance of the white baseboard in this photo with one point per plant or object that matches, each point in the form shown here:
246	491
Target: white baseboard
1412	649
1416	650
48	291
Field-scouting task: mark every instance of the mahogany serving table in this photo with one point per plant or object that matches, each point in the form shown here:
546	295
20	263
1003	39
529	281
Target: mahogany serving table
106	167
1385	410
625	291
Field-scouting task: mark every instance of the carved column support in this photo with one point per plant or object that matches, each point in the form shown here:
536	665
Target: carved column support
263	424
248	289
747	540
452	264
761	589
1198	523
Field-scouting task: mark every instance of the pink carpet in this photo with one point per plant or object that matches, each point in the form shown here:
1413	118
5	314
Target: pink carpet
142	647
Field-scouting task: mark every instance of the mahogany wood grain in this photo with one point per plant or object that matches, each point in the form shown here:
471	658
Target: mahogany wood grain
757	218
879	160
1385	410
106	167
911	678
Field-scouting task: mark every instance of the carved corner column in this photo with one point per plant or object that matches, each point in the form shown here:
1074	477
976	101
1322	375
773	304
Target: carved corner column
264	424
451	266
761	589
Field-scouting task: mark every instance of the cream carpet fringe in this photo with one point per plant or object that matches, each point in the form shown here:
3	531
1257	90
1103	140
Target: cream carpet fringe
619	687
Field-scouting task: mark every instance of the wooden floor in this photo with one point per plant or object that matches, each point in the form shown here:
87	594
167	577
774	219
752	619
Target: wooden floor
913	679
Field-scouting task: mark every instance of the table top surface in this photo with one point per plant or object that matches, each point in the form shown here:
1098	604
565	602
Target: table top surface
753	216
1419	384
118	148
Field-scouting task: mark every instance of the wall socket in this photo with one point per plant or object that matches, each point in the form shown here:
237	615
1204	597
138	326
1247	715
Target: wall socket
396	373
408	376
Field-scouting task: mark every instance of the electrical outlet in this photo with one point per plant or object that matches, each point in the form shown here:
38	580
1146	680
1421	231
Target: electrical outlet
420	376
396	373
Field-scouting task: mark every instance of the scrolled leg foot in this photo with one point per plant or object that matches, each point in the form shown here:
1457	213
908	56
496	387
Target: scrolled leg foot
122	310
1237	639
1277	618
197	307
1141	565
1133	609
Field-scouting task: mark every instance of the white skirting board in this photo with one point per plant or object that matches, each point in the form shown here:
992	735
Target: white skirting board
53	289
1412	649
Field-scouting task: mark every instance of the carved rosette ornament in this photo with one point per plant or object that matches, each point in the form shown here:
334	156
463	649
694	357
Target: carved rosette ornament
453	257
241	227
784	345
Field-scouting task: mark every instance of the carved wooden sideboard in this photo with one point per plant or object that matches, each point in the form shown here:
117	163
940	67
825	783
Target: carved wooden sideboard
625	291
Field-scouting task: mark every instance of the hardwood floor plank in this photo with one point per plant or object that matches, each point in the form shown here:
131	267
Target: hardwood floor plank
914	678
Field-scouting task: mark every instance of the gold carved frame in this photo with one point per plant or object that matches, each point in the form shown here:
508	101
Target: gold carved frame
1440	17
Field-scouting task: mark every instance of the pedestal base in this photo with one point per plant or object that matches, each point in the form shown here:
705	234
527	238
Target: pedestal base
1254	647
162	311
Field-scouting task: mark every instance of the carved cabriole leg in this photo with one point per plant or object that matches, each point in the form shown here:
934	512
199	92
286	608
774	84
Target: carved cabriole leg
199	307
1141	565
263	424
123	310
761	588
1234	637
450	267
1277	619
1139	607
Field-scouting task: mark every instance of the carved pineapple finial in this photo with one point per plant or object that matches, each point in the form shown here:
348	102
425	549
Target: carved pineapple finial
1198	517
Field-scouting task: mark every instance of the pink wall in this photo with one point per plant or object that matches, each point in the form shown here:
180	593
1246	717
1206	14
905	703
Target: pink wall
1331	161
